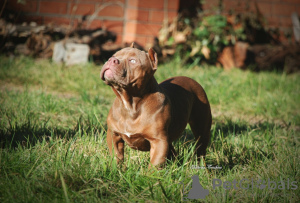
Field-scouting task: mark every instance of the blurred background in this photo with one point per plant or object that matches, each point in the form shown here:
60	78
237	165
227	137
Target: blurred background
261	35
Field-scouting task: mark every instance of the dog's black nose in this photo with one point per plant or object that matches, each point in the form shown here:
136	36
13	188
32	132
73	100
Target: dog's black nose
114	60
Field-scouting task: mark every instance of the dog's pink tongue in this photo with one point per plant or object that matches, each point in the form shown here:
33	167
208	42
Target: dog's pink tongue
108	74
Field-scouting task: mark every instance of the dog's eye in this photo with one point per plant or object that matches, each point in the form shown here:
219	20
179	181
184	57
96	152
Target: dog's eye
132	60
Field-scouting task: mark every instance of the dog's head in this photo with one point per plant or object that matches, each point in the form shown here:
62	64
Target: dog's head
129	68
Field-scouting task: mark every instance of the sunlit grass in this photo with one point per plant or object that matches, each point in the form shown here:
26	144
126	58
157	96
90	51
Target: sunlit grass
53	137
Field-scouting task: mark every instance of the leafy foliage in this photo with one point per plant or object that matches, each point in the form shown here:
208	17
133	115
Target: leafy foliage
209	35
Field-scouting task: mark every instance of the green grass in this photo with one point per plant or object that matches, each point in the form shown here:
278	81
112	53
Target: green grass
53	137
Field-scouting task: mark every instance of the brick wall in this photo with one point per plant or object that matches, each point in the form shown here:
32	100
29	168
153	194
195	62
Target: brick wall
145	18
276	12
140	20
132	20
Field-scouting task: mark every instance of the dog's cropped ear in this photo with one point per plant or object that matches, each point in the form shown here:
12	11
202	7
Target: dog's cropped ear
153	58
132	45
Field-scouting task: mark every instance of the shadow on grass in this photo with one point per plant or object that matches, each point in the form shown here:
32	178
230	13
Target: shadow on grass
223	152
230	128
29	133
226	149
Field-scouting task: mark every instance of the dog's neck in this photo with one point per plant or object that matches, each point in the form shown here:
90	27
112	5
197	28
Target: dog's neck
131	97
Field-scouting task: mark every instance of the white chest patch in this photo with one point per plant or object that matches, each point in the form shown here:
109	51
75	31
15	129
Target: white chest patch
127	134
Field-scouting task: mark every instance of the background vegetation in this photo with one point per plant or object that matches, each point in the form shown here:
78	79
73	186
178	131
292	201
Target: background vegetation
53	130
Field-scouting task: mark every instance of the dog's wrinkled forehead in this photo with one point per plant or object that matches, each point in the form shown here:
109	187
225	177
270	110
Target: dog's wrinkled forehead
129	52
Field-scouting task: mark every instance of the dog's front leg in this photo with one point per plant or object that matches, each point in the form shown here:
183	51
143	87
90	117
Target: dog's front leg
115	144
158	152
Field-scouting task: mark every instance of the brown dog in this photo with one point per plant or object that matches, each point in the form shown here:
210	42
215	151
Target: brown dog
149	116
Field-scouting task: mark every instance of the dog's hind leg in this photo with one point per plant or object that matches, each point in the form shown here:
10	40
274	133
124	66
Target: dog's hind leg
200	123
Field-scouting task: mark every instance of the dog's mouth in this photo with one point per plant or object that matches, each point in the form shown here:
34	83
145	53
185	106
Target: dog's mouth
113	75
106	73
103	73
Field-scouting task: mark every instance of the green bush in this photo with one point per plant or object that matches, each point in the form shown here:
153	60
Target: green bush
209	35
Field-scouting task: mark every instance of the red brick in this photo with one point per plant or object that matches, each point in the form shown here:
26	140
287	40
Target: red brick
286	22
227	4
273	21
291	1
251	6
55	0
265	8
283	9
142	28
148	29
156	16
105	1
130	28
148	4
173	5
112	11
141	40
115	26
57	20
29	6
119	39
172	15
139	15
133	3
88	1
128	38
82	9
148	42
237	6
53	7
95	24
